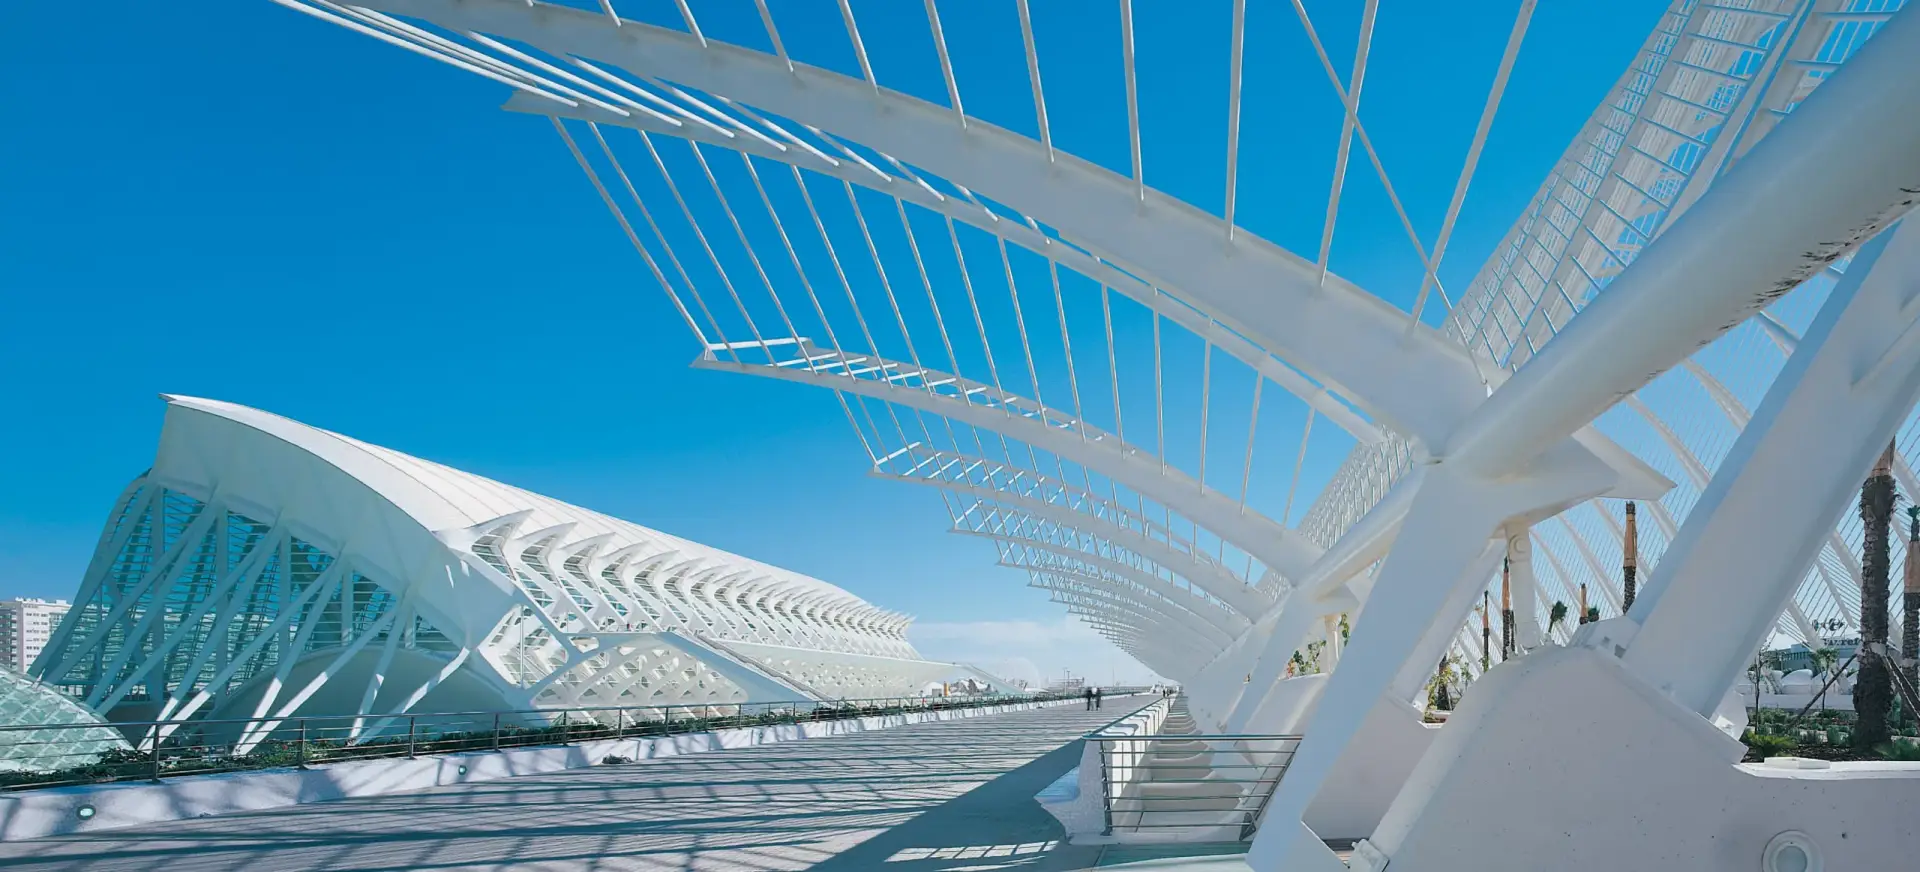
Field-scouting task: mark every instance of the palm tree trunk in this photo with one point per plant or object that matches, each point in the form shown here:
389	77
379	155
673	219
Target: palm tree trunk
1873	691
1630	560
1506	611
1486	632
1910	606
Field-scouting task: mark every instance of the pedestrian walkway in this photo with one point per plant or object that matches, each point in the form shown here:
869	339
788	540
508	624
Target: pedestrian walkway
923	798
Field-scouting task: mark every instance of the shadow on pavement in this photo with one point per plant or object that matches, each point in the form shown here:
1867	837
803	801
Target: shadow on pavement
997	825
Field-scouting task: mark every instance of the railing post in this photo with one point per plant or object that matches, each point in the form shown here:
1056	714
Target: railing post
496	731
156	753
300	748
1106	789
410	724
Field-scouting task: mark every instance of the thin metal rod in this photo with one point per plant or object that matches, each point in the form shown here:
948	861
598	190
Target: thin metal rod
1113	370
1133	99
1253	427
859	46
1033	73
1206	395
1238	54
946	69
1487	112
686	15
1366	143
700	234
1350	120
416	48
773	33
1299	460
625	227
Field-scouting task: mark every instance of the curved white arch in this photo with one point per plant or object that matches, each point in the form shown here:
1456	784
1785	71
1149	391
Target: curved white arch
1208	576
1203	612
1284	551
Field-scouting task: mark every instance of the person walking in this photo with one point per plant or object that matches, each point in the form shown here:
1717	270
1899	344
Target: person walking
1089	695
1096	697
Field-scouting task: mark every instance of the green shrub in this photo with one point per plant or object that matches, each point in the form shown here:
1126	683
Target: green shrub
1905	751
1765	745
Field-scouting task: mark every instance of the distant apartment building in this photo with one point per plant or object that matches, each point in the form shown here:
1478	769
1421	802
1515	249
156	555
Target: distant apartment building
25	627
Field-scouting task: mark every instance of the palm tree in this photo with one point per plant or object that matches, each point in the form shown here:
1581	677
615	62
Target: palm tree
1630	560
1873	691
1506	610
1910	604
1556	615
1486	630
1441	696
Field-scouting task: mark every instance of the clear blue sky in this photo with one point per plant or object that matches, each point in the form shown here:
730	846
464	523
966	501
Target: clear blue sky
240	202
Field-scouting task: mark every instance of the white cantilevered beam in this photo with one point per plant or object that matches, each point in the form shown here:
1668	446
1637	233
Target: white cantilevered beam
1018	233
1350	340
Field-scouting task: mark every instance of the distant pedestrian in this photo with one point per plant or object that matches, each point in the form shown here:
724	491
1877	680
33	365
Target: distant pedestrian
1096	697
1089	695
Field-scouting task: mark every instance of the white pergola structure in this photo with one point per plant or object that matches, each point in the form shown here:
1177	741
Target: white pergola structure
264	569
1703	309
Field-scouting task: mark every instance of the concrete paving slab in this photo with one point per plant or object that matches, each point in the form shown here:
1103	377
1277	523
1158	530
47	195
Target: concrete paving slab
937	797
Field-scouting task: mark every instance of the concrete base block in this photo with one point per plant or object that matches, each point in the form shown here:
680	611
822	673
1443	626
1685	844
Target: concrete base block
1566	760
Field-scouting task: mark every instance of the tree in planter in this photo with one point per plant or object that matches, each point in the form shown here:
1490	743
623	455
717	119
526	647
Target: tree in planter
1873	691
1556	616
1823	662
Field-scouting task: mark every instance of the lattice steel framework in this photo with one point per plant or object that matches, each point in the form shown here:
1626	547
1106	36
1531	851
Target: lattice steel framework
264	568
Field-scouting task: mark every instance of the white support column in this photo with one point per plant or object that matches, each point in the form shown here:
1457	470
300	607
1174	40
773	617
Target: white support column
1748	543
1526	608
1447	548
1288	632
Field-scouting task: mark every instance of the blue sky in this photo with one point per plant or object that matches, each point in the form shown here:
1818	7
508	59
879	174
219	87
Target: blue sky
243	203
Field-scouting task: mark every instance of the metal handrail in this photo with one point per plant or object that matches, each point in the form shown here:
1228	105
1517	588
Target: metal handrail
832	703
1245	768
1097	733
1196	737
165	748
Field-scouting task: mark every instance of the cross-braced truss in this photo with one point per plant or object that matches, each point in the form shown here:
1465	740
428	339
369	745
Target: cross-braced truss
263	569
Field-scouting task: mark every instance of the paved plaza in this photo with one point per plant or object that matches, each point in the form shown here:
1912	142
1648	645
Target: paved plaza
938	796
